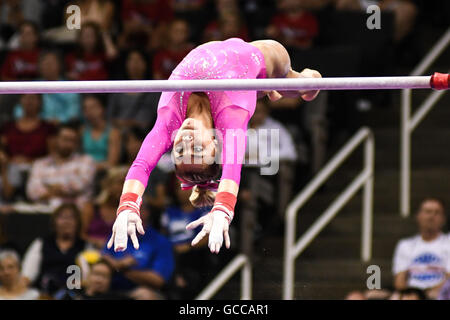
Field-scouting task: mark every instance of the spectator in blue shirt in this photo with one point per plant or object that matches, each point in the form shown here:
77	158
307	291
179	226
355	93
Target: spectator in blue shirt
192	263
143	274
176	217
56	107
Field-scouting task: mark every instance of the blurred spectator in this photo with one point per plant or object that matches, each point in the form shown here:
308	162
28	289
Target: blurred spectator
409	294
261	120
21	63
293	26
223	6
32	10
100	12
97	285
190	261
94	50
310	130
257	14
27	138
150	12
143	274
56	16
423	261
24	140
375	294
99	216
133	140
178	215
405	12
195	12
12	285
176	48
64	175
136	39
355	295
52	13
11	16
14	12
444	294
146	19
126	110
56	107
10	180
99	138
47	258
180	6
229	23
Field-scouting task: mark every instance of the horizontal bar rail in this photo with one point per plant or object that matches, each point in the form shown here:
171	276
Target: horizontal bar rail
342	83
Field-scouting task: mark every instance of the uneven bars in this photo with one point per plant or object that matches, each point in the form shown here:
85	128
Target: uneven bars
437	81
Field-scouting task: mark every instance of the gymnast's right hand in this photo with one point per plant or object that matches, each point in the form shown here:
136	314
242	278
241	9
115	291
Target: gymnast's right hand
127	222
216	224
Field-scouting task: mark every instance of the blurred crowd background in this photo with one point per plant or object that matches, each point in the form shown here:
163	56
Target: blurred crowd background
65	156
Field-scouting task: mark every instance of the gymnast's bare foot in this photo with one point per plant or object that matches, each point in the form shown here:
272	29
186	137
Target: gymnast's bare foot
305	95
307	73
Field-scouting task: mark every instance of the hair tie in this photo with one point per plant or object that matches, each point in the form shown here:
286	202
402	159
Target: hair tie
210	185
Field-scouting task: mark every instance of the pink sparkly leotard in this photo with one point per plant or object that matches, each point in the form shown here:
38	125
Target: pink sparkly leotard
230	59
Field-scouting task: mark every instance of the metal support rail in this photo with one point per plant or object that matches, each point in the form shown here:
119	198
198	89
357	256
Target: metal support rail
293	248
409	123
241	261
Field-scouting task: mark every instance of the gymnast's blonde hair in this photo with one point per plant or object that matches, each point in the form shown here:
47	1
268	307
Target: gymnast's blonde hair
202	197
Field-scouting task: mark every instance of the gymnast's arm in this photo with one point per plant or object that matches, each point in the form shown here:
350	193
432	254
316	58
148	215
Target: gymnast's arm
155	144
233	122
232	126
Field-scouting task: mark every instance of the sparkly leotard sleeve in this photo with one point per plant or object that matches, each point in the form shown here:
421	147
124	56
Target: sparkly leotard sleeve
231	110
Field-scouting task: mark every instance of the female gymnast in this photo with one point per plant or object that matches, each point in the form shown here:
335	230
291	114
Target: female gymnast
186	121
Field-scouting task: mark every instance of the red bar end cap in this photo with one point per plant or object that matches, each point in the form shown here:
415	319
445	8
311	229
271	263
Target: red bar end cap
440	81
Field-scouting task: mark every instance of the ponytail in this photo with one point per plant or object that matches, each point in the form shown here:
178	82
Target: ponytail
202	197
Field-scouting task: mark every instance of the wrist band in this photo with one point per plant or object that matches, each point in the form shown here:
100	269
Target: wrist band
130	201
225	202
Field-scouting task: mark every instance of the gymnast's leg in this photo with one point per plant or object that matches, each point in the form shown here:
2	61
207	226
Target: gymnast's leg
278	65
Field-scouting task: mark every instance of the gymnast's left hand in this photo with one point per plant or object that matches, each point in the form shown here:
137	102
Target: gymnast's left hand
216	225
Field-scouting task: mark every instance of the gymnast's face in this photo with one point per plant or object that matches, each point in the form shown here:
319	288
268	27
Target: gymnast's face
194	144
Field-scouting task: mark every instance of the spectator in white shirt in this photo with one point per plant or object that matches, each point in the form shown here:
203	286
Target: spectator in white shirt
47	258
423	261
264	124
64	175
